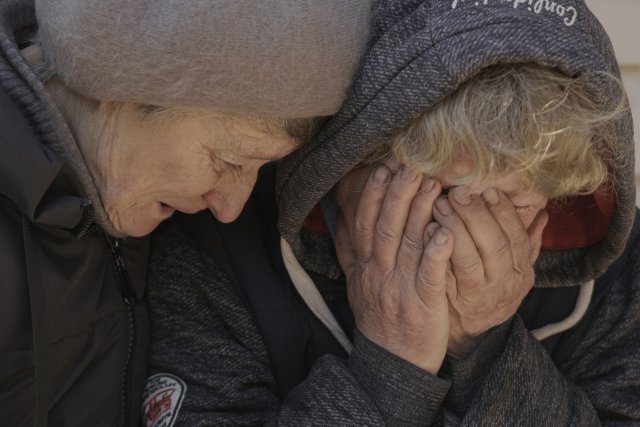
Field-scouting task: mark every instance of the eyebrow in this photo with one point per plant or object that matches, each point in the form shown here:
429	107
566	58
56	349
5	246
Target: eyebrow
213	154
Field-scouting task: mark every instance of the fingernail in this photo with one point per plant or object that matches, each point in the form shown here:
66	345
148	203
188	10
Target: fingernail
393	163
441	237
462	195
381	175
491	196
428	185
444	207
431	229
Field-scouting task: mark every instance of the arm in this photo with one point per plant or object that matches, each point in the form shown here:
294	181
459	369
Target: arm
520	383
501	374
202	333
510	378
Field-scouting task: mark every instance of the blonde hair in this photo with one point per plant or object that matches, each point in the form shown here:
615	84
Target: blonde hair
517	118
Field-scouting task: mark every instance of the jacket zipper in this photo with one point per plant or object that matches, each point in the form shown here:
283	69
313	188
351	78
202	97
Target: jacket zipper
130	300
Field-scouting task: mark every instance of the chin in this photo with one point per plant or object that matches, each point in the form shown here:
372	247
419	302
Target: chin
137	221
138	229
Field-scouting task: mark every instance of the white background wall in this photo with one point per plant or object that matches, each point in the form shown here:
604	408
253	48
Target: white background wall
621	19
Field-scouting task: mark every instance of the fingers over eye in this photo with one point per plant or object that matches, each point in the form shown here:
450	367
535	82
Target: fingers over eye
465	258
392	220
492	242
420	214
432	275
368	211
510	222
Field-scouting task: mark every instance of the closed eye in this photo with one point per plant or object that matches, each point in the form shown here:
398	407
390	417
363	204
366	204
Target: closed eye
218	164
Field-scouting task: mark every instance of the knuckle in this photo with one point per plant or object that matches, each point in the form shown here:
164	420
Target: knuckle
503	250
384	231
428	281
427	275
466	264
361	228
473	307
413	244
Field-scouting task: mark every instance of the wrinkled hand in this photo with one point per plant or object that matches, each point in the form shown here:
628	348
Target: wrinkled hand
491	261
395	272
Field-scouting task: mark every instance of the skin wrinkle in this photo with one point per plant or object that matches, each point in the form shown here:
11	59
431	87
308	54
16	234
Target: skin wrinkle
150	168
475	261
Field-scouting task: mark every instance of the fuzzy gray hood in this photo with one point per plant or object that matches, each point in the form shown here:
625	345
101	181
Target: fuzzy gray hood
422	51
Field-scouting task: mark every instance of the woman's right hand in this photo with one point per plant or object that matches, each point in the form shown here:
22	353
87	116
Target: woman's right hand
396	274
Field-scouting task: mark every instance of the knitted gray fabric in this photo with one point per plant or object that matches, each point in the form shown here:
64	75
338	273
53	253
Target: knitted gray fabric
421	52
203	333
290	58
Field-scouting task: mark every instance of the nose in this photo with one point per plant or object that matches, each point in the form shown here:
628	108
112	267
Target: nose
226	202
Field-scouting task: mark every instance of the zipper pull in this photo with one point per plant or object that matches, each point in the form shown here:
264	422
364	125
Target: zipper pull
128	295
87	225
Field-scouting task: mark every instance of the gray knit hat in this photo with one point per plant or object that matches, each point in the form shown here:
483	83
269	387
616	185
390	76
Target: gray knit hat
422	51
290	58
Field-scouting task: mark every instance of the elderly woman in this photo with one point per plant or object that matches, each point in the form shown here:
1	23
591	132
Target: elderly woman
488	275
122	113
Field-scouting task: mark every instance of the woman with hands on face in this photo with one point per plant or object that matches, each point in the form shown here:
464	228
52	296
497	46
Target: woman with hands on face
457	243
403	237
439	248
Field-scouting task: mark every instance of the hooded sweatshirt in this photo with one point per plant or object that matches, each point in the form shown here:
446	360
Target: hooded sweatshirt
571	356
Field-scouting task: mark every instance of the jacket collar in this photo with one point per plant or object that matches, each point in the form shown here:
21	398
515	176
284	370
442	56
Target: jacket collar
34	179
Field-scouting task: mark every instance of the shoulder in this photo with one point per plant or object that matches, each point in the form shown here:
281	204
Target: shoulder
182	275
175	254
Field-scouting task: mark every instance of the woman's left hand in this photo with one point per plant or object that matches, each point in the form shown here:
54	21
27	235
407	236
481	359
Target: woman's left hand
492	262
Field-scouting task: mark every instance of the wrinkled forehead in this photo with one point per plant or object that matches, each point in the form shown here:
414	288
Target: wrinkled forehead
262	146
